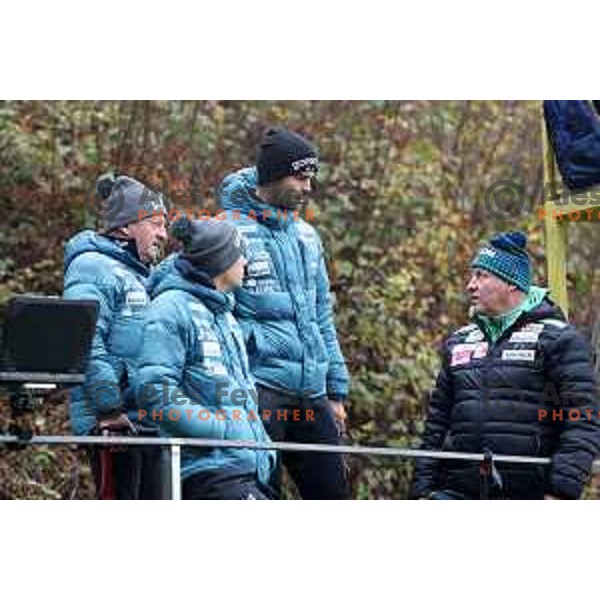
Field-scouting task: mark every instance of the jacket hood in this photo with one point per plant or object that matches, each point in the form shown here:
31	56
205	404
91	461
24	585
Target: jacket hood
172	279
91	241
236	193
159	272
544	309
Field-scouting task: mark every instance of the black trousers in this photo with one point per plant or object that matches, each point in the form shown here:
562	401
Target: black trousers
223	486
317	475
134	473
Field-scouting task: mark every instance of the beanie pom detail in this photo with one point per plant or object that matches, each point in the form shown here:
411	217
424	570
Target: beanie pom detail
182	230
105	184
510	241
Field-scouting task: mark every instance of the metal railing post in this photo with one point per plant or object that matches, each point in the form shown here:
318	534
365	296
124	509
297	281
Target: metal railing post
175	471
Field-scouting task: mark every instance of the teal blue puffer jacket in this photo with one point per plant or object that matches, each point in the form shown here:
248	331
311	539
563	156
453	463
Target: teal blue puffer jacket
194	380
102	269
284	305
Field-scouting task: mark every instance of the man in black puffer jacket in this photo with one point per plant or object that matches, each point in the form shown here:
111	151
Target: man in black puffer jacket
518	380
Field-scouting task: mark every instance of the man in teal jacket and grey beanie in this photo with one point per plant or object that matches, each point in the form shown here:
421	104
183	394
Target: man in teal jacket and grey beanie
193	374
112	267
518	380
285	309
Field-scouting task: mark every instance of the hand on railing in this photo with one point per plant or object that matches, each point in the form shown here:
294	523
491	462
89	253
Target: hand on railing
116	426
119	425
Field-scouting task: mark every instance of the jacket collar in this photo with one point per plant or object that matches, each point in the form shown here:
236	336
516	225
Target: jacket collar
180	276
238	192
534	307
120	250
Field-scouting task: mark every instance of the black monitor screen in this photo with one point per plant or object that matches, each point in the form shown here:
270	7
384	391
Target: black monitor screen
49	335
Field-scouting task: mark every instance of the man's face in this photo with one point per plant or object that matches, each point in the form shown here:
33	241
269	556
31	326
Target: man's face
150	236
489	295
232	278
292	191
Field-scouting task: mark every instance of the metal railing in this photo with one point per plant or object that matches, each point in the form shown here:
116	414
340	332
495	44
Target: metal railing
175	444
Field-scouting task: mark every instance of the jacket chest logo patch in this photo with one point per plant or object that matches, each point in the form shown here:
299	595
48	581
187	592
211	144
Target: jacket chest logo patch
475	336
246	228
528	355
136	298
462	354
480	350
525	336
211	348
217	369
258	268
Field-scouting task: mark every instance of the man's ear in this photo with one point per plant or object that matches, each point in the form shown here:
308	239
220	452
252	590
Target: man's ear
515	290
121	232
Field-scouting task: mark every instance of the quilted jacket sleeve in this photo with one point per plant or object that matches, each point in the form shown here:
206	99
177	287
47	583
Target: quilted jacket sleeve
570	369
84	280
337	375
427	470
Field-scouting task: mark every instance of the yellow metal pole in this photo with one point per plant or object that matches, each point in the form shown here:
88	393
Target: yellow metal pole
556	230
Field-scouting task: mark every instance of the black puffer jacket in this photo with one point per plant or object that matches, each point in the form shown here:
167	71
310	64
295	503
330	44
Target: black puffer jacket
492	397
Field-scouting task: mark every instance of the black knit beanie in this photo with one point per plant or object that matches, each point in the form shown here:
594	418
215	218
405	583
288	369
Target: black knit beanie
282	153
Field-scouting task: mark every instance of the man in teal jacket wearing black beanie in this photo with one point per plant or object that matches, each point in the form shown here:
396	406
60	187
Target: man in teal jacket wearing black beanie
285	309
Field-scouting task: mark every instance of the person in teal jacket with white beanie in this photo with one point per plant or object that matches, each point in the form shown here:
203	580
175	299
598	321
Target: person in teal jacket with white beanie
193	374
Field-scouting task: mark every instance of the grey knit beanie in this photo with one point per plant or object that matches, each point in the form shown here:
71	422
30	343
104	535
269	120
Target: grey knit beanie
127	201
209	244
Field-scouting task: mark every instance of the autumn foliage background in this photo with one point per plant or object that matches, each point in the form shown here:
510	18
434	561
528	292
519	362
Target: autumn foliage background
399	205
